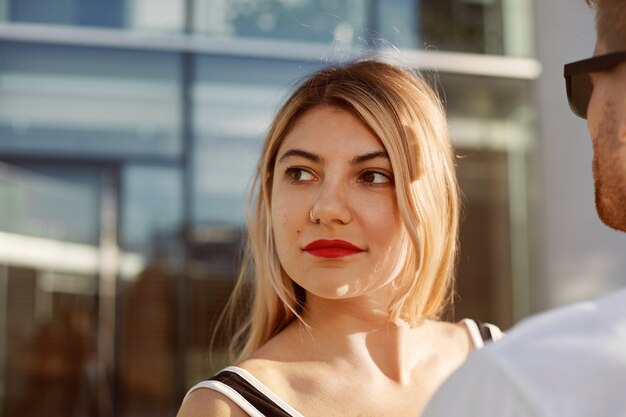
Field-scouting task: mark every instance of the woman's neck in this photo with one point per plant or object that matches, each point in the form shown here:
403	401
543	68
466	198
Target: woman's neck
356	331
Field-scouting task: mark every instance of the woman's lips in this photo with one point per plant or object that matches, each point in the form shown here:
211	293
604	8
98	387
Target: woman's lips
335	248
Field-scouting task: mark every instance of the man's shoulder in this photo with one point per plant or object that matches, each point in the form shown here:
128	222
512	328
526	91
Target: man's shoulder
539	353
572	323
543	363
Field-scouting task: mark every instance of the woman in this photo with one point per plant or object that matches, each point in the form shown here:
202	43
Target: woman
352	243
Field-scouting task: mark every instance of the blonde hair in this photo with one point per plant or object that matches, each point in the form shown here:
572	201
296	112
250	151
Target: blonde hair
408	118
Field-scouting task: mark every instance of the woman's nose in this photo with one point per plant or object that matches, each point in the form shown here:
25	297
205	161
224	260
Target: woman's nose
332	205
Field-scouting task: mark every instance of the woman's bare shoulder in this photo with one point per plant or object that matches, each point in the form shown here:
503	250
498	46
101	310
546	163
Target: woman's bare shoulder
454	336
204	402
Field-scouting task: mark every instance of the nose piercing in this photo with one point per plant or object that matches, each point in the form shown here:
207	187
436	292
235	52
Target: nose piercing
313	218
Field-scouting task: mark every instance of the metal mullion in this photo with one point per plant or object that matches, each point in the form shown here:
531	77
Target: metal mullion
4	281
107	294
520	242
182	304
442	61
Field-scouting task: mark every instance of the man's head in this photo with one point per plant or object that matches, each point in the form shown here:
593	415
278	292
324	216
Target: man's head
606	110
611	23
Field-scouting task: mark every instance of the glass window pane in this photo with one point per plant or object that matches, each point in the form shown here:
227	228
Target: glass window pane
501	27
50	343
302	20
57	100
491	122
151	207
233	104
398	22
151	219
71	12
159	15
49	264
146	339
484	269
462	25
497	27
50	202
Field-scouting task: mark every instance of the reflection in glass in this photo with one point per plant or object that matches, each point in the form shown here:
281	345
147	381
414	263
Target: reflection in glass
484	269
492	126
49	217
233	103
147	341
49	202
501	27
152	207
467	26
151	229
57	100
147	15
214	254
51	355
495	27
341	22
106	13
398	23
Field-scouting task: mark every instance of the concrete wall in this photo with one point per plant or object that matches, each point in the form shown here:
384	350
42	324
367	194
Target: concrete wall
576	255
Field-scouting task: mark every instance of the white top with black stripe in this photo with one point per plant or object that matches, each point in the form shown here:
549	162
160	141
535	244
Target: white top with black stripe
254	398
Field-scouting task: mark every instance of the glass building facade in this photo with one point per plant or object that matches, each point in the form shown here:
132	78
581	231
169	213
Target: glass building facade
129	133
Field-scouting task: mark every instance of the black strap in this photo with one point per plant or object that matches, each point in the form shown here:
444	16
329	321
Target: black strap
255	397
485	331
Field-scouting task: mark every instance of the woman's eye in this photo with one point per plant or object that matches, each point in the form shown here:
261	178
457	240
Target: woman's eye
298	175
373	177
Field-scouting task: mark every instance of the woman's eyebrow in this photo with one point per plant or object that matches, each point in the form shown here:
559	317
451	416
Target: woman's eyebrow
368	156
318	159
303	154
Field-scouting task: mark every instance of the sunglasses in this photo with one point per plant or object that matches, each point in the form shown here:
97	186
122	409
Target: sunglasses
578	82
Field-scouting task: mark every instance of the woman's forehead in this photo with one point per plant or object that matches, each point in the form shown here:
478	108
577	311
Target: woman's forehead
330	131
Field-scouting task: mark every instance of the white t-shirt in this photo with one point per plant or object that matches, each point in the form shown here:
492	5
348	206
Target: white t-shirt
569	362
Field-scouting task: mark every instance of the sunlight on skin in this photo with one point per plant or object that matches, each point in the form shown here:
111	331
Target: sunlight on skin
316	169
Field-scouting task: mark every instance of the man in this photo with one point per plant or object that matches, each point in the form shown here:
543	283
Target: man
571	361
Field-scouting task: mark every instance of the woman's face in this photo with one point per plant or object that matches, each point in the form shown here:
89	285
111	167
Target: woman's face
330	164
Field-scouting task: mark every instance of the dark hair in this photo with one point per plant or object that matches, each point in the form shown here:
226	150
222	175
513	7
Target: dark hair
611	23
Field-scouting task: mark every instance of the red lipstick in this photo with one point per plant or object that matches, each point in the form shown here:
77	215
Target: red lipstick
336	248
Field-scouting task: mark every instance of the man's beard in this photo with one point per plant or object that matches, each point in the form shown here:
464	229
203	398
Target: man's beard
609	172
